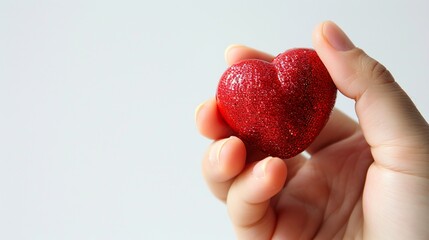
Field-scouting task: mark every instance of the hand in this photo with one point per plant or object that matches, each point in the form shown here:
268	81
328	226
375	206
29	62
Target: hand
362	181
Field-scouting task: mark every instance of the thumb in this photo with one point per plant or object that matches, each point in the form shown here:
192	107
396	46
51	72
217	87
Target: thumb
391	124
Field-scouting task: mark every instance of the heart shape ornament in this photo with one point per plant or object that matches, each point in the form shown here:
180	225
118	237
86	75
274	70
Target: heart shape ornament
278	107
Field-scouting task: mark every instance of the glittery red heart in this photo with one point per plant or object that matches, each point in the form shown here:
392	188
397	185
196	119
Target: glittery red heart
278	107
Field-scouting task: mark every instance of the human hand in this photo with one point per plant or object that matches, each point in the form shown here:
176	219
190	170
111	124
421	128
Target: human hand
366	180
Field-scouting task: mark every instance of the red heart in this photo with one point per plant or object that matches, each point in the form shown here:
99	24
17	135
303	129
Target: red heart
278	107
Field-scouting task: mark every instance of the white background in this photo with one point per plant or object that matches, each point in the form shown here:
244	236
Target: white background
97	98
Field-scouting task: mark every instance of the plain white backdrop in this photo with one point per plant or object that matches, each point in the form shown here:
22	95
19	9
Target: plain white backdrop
97	98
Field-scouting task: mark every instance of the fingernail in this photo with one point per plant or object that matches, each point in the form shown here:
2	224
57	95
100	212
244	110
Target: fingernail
197	110
259	170
216	149
336	37
228	49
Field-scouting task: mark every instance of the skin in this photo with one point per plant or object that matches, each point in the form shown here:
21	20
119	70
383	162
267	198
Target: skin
366	180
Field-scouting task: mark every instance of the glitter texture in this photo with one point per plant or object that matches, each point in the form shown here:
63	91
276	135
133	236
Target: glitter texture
278	107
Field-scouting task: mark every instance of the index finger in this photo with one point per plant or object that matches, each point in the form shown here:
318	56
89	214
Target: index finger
237	53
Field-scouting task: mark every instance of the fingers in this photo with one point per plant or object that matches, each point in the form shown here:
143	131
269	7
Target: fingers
247	190
389	120
249	198
224	160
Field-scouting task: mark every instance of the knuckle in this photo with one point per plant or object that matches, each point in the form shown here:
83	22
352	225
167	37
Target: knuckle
374	70
379	72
